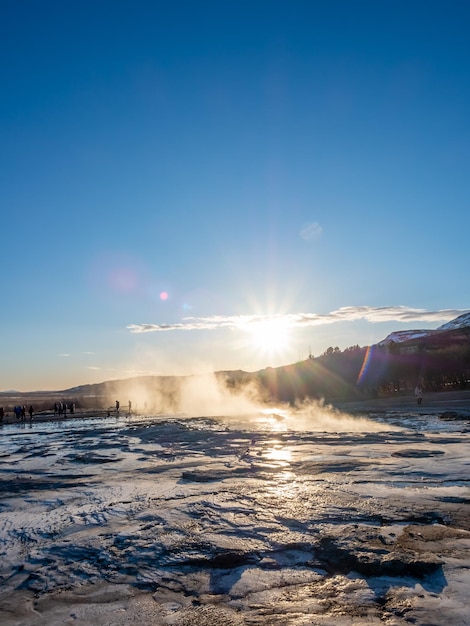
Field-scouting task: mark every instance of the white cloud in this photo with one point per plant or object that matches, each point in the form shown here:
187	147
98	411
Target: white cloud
400	314
196	323
311	232
64	354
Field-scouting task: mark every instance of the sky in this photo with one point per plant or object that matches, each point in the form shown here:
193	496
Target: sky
195	186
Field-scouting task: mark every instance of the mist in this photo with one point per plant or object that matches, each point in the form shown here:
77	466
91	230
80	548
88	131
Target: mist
209	396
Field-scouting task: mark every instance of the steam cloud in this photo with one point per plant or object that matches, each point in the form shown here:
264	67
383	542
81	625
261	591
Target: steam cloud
209	396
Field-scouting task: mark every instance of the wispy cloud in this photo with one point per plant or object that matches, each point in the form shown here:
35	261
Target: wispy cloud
401	314
64	354
94	368
311	232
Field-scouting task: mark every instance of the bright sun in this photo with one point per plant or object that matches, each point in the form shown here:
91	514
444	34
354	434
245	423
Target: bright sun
271	336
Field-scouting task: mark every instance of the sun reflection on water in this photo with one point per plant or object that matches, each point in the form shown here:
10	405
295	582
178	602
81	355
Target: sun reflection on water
274	419
278	454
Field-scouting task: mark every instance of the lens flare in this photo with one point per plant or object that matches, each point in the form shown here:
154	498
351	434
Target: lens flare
123	279
365	365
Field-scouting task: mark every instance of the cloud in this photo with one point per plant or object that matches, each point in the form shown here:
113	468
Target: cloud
311	232
93	367
196	323
64	354
401	314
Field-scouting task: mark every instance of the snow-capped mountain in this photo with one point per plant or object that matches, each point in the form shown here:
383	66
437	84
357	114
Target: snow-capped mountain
400	336
462	321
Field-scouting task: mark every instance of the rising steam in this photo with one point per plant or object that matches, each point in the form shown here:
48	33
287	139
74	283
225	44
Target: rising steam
210	396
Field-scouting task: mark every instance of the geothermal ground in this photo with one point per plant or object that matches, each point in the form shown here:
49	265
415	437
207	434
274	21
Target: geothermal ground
279	518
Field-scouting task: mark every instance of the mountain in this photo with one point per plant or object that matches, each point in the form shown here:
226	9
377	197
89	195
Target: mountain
462	321
400	336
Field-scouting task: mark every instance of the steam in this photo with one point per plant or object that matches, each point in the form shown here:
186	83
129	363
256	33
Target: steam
316	415
210	396
193	396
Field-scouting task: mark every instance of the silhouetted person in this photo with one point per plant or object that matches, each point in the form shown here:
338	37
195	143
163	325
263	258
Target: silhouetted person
418	394
2	413
31	411
117	406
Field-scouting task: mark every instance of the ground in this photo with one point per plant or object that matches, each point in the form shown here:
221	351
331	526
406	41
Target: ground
315	517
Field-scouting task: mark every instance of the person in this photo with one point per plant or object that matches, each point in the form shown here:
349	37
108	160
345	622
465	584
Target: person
31	411
130	407
418	393
2	413
117	406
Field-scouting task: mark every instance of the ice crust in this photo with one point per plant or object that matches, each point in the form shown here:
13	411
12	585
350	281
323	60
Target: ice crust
251	520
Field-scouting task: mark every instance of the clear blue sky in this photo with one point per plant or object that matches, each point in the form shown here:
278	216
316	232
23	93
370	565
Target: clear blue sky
161	161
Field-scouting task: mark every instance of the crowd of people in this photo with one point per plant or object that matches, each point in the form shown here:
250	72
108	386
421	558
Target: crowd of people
60	408
19	412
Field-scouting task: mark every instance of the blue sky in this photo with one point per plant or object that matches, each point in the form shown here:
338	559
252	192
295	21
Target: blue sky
192	169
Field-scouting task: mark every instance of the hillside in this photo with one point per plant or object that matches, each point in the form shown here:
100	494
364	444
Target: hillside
439	359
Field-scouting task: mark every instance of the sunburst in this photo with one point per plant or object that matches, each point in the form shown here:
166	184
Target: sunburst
271	336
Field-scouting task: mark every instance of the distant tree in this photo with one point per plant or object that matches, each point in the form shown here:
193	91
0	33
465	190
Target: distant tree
352	348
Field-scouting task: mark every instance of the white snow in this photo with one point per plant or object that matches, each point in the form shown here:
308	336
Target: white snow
399	336
462	321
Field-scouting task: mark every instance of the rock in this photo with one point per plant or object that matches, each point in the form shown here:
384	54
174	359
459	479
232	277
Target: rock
344	556
417	454
451	416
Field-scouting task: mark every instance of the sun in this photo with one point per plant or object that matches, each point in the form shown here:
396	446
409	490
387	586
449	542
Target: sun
270	336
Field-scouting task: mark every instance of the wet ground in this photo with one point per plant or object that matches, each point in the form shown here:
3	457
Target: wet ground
271	518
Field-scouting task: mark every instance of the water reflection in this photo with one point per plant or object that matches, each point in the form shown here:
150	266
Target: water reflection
275	420
278	453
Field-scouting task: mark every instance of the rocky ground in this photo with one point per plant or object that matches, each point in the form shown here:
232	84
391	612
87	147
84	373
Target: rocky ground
314	517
